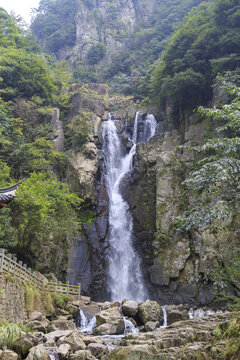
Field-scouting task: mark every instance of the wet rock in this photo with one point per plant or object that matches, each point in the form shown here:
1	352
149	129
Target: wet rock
38	326
110	329
75	340
61	325
64	351
151	325
82	355
38	353
50	343
176	313
150	311
90	339
8	355
137	352
23	344
90	310
36	315
98	350
55	335
130	308
110	316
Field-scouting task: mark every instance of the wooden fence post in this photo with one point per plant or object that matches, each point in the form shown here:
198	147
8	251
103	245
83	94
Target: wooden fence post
1	258
79	291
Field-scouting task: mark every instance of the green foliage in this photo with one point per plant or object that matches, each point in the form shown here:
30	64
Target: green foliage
44	216
230	334
84	74
207	42
54	24
60	300
78	130
146	44
32	298
214	186
9	333
96	53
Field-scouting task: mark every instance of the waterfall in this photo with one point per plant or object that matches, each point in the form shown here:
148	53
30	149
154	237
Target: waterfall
125	278
164	316
129	327
84	324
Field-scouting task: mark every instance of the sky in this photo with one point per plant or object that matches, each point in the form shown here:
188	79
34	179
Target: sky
20	7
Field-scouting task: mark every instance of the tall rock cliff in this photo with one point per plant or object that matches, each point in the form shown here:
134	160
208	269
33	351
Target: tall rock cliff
107	22
177	267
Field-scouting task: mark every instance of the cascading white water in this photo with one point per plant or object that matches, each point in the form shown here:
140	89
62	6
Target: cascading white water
129	327
84	324
164	316
125	278
201	313
150	127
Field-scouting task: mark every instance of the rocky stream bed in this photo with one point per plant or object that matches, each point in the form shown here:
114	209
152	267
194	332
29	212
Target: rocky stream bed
117	331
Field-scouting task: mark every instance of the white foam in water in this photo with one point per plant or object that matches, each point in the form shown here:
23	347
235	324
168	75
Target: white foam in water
125	278
201	313
53	353
164	316
129	327
85	325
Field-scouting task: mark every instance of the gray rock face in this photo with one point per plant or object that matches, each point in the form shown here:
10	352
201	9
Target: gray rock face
8	355
38	353
82	355
57	130
150	311
64	351
61	325
75	340
130	308
23	344
98	350
88	31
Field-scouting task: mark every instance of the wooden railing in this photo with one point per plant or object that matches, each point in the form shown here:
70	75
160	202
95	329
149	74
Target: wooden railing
10	265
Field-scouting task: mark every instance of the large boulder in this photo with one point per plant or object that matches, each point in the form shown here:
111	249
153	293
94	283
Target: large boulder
130	308
176	313
82	355
136	352
8	355
36	315
98	350
150	311
151	325
110	316
38	353
64	351
36	325
75	340
110	329
55	335
109	322
61	324
23	344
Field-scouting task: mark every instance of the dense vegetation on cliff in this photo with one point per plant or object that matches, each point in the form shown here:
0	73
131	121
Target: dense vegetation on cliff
207	43
54	24
45	211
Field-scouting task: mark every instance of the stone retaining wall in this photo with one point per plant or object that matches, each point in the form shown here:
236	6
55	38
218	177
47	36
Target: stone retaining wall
12	299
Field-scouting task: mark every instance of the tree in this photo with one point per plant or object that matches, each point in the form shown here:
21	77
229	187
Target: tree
214	186
96	53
